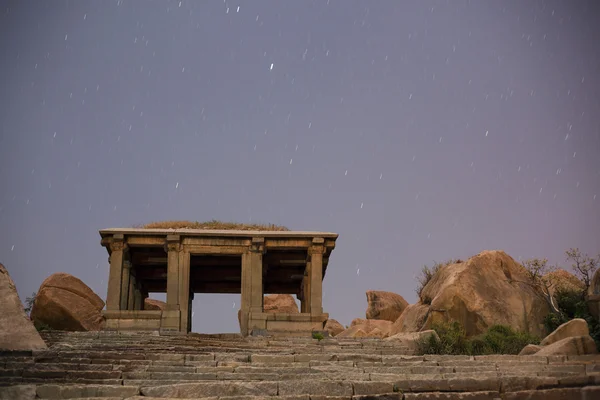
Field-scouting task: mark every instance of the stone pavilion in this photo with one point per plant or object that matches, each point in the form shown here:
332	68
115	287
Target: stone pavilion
181	262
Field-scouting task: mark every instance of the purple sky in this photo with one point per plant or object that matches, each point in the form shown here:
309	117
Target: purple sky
417	130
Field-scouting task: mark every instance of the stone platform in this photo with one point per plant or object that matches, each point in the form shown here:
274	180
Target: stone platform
110	366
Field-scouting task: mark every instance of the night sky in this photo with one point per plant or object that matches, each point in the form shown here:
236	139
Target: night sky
417	130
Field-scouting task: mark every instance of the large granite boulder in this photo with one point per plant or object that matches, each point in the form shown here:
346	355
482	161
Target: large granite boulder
594	295
384	305
64	302
574	327
154	305
280	303
411	340
570	346
369	327
16	330
333	327
489	288
561	280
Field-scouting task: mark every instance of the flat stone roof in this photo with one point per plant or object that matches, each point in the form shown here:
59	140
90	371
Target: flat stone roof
214	232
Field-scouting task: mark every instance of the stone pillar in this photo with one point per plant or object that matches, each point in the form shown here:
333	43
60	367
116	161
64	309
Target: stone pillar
131	295
184	290
305	303
138	302
316	276
252	297
125	279
118	249
171	316
173	249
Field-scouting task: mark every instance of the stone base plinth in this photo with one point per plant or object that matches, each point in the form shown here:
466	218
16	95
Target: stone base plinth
133	320
281	324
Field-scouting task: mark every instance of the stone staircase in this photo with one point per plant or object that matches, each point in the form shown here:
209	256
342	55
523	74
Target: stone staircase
110	366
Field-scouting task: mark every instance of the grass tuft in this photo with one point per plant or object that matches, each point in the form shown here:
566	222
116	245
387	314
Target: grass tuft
212	225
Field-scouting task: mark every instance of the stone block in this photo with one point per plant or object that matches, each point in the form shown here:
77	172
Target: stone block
71	391
269	359
453	396
316	387
209	389
548	394
20	392
363	388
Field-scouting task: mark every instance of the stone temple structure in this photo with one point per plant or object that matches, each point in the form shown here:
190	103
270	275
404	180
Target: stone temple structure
181	262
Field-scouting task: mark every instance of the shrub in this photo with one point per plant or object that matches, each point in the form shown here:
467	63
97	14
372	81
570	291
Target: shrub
498	339
41	326
318	335
29	303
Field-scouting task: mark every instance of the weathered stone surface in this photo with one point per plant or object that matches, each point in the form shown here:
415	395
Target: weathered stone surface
562	280
411	339
64	302
18	392
367	326
315	387
574	327
485	290
571	346
545	394
74	391
16	330
384	305
452	396
530	349
153	304
333	327
207	389
280	303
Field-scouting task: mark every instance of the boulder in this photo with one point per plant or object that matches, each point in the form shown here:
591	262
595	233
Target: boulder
411	339
280	303
530	349
594	295
561	280
384	305
489	288
64	302
574	327
570	346
367	326
153	304
16	329
333	327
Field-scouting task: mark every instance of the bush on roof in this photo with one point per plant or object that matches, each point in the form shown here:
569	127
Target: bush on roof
214	224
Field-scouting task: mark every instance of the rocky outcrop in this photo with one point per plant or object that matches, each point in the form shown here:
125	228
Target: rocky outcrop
574	327
570	346
489	288
368	327
594	295
530	349
561	280
281	303
64	302
16	330
384	305
411	339
153	304
333	327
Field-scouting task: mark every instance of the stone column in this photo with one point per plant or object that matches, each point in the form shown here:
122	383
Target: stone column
138	298
316	276
252	284
125	279
131	295
305	303
184	289
171	316
118	249
173	249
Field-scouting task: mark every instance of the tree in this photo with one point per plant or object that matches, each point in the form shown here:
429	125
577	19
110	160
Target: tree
583	266
538	270
29	303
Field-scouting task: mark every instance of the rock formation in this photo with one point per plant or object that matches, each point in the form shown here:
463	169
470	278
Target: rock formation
281	303
368	327
489	288
594	295
333	327
16	330
384	305
64	302
570	339
411	339
153	304
562	280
